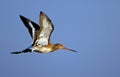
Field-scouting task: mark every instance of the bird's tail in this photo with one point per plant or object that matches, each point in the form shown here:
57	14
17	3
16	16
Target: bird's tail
24	51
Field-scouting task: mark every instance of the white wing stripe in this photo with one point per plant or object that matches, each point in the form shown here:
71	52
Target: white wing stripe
33	29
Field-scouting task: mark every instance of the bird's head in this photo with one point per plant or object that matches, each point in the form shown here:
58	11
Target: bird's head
60	46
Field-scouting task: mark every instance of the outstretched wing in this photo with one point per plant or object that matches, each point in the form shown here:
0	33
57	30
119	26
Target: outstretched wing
46	29
30	25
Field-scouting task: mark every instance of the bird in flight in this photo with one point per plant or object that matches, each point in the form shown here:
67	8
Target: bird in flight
41	35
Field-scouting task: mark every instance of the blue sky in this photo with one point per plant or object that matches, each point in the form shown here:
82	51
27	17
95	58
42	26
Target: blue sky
92	27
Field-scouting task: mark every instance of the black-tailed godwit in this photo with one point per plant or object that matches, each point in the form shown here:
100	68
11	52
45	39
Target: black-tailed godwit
41	35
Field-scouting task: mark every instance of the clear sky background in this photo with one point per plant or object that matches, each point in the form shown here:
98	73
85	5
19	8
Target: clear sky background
92	27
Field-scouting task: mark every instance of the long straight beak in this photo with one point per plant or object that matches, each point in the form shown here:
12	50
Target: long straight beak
69	49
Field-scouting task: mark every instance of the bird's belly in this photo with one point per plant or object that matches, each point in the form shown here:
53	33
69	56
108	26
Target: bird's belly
42	49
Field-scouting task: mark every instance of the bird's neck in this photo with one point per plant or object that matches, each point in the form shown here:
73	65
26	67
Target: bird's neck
53	47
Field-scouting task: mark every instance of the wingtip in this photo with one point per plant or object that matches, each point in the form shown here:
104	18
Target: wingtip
24	18
41	12
20	15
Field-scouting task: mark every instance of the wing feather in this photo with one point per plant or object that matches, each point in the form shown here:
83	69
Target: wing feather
30	25
45	31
